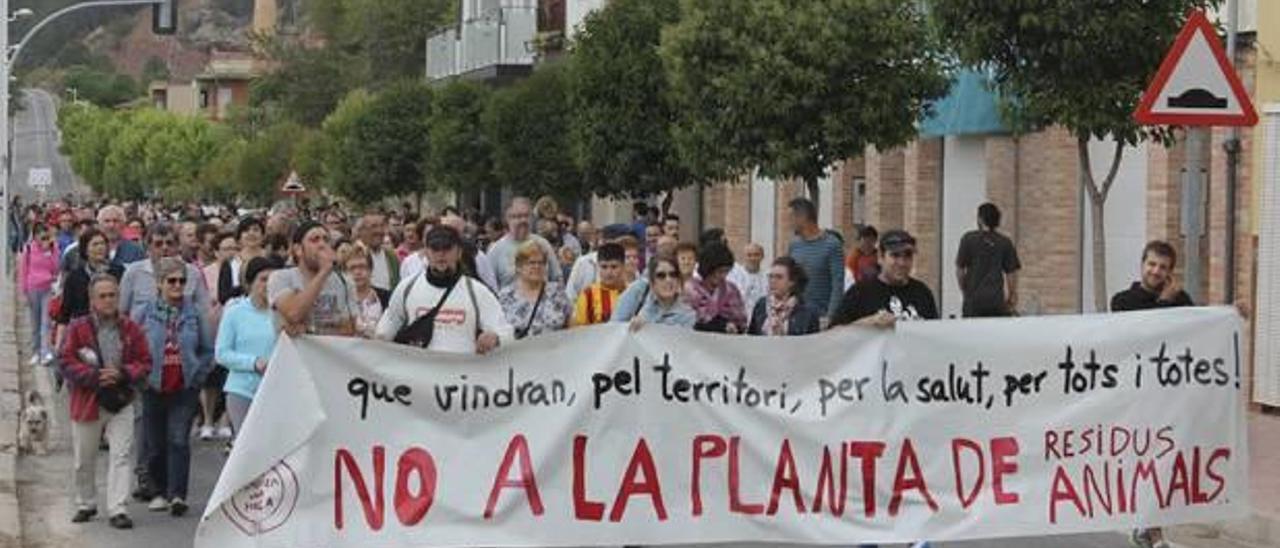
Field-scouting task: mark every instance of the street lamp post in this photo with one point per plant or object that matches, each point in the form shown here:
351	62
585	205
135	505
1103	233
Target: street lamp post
164	21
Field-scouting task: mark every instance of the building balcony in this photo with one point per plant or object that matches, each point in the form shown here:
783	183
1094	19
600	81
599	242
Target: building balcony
495	45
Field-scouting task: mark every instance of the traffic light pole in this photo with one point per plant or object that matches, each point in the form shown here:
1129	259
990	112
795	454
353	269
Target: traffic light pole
10	57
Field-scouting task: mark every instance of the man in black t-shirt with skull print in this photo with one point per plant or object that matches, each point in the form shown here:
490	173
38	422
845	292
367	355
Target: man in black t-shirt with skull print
893	295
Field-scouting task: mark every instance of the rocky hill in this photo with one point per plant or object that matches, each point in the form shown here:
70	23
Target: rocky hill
124	35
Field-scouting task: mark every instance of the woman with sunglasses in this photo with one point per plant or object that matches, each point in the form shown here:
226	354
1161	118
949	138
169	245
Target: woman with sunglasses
182	356
783	311
664	305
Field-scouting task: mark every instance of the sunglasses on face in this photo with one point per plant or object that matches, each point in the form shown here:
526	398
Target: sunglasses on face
164	243
665	275
175	281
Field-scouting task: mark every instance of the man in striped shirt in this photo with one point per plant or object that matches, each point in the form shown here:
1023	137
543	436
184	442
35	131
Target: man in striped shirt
821	254
595	303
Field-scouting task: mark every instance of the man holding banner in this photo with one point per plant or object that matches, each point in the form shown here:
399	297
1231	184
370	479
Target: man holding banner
449	310
892	295
1157	289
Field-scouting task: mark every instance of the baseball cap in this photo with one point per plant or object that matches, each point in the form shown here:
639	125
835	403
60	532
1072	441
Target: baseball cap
616	231
896	240
442	237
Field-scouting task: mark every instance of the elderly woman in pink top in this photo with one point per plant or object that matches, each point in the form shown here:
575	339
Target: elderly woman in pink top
37	270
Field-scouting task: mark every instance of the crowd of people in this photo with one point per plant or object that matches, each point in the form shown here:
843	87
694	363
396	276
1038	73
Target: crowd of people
161	320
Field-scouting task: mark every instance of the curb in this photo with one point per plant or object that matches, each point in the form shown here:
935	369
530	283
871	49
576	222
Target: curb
10	408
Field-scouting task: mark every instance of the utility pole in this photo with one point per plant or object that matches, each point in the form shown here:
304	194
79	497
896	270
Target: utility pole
164	21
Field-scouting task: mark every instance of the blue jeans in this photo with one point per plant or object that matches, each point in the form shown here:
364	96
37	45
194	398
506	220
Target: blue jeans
168	419
38	305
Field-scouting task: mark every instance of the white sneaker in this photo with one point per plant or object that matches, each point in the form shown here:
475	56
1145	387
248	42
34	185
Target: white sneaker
158	504
35	360
48	358
206	433
224	433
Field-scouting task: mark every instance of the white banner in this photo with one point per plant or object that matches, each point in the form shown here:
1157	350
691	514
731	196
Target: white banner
937	430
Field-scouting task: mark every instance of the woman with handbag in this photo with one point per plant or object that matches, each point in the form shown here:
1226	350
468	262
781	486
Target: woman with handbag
105	354
532	304
181	348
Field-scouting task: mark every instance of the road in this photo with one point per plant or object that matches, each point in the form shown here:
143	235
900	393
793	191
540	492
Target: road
35	145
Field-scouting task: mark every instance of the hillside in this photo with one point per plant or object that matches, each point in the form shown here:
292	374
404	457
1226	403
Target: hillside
123	36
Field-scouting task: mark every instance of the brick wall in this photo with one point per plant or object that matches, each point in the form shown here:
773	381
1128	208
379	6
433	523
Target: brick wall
1049	238
884	172
1002	181
922	171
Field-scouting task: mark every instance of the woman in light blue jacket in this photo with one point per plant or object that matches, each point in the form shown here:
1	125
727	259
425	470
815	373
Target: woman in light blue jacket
246	338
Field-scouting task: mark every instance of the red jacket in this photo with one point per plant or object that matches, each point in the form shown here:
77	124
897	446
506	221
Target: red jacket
83	378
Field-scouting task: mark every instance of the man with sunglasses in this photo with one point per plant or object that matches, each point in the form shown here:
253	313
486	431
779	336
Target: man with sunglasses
893	295
137	289
138	286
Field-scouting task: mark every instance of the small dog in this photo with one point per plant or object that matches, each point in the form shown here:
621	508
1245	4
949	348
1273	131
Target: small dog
33	437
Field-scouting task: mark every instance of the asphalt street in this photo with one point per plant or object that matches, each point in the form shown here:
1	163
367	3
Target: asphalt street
35	145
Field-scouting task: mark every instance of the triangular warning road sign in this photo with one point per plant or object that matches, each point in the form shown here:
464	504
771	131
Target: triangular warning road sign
293	185
1196	85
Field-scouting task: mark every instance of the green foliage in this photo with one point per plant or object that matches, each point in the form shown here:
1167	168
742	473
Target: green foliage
308	83
378	145
387	36
1083	65
461	157
623	114
102	88
528	126
267	160
792	86
131	154
154	70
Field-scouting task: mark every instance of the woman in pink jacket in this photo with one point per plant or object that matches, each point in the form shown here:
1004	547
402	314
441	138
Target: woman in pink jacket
37	271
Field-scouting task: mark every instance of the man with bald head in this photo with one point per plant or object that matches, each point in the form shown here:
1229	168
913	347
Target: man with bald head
502	254
749	277
371	229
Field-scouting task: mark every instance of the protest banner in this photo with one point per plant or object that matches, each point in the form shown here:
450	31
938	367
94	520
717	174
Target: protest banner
934	430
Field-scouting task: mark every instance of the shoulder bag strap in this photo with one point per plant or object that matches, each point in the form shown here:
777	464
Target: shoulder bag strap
534	313
474	305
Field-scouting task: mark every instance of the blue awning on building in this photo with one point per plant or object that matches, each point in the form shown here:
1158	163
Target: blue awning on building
970	108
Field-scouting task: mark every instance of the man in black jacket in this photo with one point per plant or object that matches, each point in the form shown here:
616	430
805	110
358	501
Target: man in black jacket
1158	287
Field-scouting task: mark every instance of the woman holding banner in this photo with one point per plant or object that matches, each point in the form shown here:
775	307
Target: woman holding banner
533	305
664	305
783	311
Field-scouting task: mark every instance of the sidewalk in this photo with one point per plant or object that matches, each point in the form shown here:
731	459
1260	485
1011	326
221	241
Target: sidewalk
10	407
1263	529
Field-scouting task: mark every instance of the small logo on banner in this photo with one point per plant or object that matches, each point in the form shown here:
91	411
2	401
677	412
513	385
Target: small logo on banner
265	504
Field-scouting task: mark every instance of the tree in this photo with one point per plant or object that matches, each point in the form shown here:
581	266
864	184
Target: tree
102	88
387	36
528	125
792	86
307	84
380	146
1076	65
267	161
623	113
461	157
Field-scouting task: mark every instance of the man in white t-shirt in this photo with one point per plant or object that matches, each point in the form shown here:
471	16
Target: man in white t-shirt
416	262
468	317
752	281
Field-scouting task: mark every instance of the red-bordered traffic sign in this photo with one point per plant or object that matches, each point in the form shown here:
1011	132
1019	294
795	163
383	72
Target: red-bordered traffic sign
1196	84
